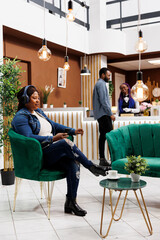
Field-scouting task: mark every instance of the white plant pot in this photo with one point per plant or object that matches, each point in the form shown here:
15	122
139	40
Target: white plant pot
135	177
64	105
51	105
45	105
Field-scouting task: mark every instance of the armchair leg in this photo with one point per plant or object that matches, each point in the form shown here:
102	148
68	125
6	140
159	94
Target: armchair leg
48	190
17	186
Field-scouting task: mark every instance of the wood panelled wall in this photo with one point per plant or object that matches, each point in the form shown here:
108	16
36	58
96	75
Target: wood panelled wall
88	82
45	73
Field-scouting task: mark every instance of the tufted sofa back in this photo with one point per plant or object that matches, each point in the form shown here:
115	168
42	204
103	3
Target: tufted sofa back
134	139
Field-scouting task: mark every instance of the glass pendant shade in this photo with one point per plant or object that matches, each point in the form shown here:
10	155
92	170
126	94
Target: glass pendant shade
85	71
141	45
44	53
66	64
139	91
70	15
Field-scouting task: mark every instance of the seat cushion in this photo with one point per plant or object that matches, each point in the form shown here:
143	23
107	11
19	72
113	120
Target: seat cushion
153	162
47	175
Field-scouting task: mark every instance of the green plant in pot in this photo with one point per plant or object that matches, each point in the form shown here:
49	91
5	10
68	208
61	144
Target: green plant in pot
10	73
80	102
136	166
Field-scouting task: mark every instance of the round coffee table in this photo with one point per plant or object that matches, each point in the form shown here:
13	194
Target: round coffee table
123	184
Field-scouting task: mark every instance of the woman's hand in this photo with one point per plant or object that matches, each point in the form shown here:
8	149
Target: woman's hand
59	136
79	131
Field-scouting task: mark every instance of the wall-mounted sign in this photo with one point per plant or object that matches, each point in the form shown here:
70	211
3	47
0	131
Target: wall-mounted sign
62	78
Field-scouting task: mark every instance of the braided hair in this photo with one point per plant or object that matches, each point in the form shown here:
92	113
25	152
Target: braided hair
30	91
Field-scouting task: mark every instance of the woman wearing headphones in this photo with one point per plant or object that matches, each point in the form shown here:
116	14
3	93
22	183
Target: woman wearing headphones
58	151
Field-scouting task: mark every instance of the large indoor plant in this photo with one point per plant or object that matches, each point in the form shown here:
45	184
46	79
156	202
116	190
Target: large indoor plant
136	166
10	73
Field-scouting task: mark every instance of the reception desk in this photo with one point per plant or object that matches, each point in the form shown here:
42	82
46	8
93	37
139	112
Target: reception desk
77	118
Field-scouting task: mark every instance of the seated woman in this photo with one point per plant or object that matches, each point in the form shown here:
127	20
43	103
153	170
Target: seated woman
58	151
126	103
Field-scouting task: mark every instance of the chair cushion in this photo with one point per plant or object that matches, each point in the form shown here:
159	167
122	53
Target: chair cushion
153	162
51	175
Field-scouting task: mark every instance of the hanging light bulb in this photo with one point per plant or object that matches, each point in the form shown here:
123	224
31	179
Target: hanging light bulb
85	71
141	45
66	64
44	53
139	91
70	15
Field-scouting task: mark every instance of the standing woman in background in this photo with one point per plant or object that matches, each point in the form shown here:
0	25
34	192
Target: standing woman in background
126	103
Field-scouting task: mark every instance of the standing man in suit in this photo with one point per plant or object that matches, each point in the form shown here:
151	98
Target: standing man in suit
102	111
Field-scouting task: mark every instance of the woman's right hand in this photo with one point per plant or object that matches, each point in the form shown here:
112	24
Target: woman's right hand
59	136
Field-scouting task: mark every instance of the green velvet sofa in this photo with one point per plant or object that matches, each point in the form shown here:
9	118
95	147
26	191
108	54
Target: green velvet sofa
135	139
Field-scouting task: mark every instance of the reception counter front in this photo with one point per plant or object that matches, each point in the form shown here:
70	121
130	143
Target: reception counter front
77	118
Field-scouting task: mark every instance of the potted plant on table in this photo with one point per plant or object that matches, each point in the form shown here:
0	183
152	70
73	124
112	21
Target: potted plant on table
136	166
10	73
80	103
45	94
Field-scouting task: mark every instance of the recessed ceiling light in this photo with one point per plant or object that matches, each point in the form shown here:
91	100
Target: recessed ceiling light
155	62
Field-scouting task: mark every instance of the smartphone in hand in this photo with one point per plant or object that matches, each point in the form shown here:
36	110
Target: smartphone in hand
67	130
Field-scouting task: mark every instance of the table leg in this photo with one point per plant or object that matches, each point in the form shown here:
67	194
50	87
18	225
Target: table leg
149	225
113	212
117	219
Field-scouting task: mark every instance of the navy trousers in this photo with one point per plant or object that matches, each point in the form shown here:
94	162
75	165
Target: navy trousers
67	157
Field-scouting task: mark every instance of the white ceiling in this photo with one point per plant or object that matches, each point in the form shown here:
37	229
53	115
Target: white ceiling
134	65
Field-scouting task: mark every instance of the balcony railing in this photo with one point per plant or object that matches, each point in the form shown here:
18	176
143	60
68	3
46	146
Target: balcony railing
58	10
123	21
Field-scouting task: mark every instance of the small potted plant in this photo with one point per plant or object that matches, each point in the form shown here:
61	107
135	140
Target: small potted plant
136	166
45	94
51	105
88	113
64	105
80	103
157	101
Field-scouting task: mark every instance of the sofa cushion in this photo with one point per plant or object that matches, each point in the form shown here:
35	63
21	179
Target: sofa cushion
153	162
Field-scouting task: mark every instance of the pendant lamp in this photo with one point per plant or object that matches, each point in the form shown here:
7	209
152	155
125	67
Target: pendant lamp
85	71
44	53
140	91
66	58
141	45
70	15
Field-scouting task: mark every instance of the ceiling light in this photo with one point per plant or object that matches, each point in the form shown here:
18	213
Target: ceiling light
141	45
139	91
44	53
85	71
70	15
66	64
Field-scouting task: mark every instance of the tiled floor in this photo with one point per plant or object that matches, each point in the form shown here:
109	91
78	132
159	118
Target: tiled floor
30	222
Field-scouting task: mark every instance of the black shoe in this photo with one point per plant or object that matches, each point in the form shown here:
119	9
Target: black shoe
98	170
71	206
104	162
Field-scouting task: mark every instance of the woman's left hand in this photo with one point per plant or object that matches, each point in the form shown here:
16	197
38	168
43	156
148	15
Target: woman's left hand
79	131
